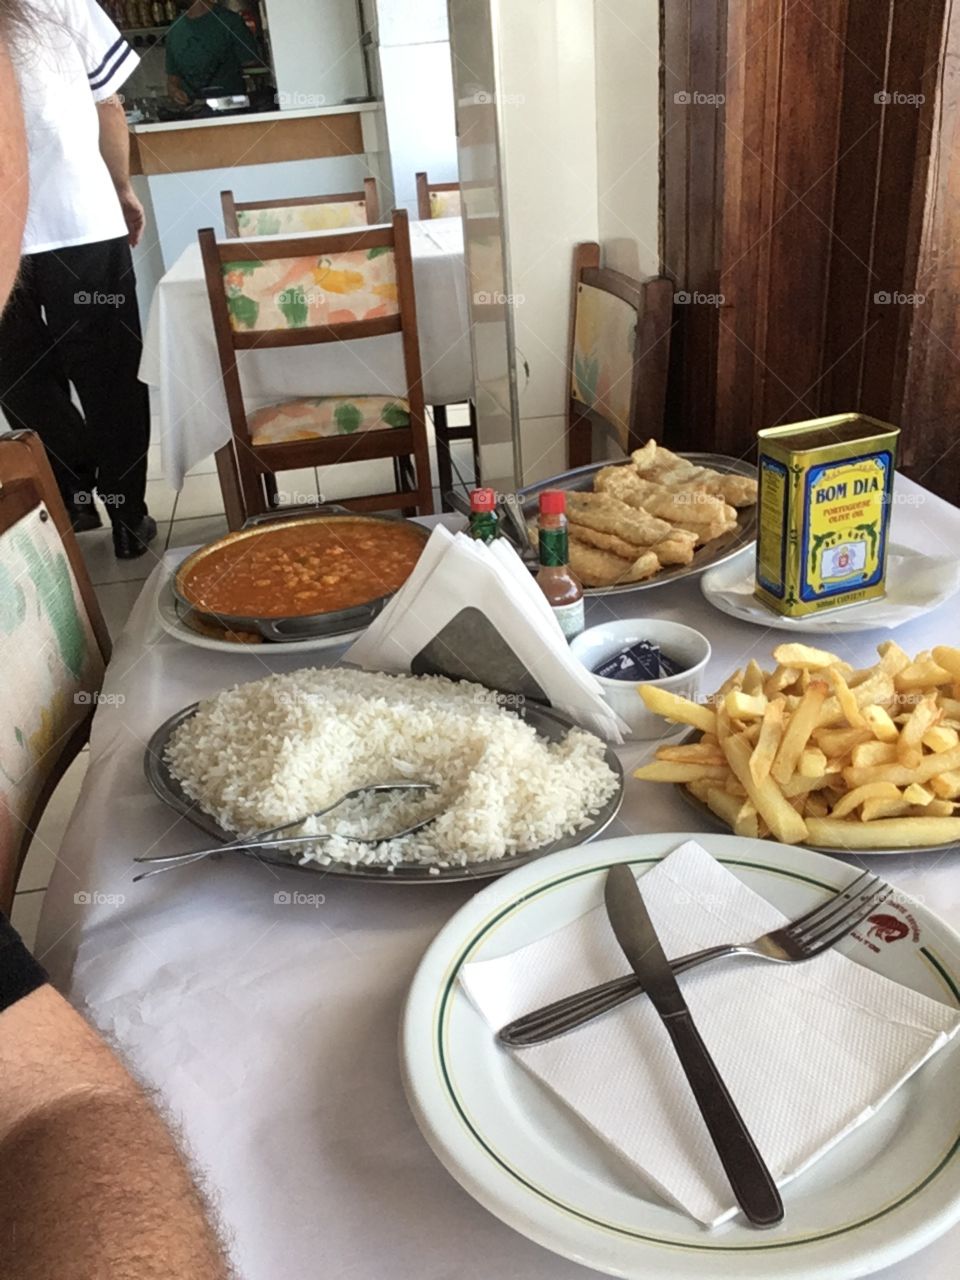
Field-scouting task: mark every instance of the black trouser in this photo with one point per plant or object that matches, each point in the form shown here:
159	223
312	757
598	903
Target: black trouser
73	318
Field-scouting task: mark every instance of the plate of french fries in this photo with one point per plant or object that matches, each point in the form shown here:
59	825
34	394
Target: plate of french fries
815	752
653	518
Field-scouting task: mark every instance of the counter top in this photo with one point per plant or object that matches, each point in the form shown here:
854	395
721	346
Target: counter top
250	117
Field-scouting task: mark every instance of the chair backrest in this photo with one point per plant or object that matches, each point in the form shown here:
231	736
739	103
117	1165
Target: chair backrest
336	287
619	348
437	199
54	646
306	213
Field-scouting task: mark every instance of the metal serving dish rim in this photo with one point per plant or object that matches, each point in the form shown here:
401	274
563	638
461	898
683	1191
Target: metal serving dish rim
716	552
166	787
297	626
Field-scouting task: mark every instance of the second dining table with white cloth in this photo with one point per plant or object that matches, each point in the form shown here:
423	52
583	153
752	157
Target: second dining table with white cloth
263	1004
180	352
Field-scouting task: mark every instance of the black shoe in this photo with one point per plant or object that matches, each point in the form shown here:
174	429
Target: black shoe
129	543
84	515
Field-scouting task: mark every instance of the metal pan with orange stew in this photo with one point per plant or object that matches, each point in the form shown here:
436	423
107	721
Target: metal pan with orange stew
291	578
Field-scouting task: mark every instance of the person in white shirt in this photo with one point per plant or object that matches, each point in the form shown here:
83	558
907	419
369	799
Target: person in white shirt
73	316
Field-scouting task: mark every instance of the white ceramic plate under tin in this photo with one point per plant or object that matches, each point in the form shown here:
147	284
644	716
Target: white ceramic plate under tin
729	588
884	1192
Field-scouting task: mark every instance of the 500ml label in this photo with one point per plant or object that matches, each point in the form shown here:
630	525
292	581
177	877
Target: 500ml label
844	525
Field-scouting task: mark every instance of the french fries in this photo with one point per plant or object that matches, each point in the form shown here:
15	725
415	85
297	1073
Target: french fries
817	751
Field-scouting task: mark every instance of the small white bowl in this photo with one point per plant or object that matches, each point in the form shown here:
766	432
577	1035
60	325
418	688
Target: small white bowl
685	646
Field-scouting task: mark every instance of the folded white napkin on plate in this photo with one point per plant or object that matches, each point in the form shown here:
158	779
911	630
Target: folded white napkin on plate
480	615
916	583
808	1051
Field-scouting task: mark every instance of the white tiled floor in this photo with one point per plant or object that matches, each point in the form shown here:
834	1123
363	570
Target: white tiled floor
192	517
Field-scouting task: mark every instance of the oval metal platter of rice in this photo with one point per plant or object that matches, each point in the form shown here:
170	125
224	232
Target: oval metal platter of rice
509	783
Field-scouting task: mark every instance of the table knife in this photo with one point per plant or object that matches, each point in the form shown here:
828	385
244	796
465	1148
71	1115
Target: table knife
749	1177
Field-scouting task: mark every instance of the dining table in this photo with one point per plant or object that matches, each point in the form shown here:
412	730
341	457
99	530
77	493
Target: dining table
262	1004
181	363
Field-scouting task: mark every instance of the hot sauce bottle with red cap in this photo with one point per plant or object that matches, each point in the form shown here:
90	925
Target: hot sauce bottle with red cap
556	580
484	525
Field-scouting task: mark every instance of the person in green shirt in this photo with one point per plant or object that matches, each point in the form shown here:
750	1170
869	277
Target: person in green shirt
207	48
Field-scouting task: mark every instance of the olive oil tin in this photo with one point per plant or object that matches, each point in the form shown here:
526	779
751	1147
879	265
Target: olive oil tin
824	512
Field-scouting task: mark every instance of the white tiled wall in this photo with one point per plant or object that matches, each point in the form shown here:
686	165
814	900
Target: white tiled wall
628	134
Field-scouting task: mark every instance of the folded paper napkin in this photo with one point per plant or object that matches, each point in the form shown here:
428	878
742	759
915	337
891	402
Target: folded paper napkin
471	610
809	1051
916	583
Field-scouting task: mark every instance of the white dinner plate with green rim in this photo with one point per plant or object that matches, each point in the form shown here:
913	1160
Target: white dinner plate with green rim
884	1192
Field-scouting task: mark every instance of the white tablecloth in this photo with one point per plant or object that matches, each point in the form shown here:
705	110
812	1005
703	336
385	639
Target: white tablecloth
270	1030
180	354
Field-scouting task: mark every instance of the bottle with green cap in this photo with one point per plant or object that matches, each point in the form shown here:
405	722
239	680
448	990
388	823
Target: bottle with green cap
556	580
484	524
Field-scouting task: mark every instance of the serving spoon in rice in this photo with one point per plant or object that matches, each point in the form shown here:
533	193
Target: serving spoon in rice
263	839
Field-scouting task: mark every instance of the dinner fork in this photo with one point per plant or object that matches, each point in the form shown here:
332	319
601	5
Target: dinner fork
262	840
810	935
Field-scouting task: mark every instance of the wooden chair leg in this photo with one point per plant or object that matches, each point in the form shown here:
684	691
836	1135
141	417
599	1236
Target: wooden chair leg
230	486
251	483
444	458
270	489
424	486
475	440
579	440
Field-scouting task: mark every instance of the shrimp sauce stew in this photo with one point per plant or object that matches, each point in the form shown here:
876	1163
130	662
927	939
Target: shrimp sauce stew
302	569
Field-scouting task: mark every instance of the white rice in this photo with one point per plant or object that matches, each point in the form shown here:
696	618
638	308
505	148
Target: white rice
262	754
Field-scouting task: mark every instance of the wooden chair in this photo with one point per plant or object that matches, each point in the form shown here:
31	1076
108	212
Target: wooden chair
54	647
338	287
437	199
444	200
619	353
307	213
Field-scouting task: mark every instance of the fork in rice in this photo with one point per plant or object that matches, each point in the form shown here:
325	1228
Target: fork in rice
265	840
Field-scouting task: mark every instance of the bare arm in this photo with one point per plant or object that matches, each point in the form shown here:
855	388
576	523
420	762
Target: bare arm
177	91
115	149
92	1186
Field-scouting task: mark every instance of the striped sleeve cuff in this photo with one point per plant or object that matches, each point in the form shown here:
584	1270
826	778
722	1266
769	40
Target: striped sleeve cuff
114	68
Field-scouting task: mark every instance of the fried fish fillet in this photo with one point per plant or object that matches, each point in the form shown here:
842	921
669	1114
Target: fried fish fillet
604	541
687	507
661	466
596	568
605	513
677	548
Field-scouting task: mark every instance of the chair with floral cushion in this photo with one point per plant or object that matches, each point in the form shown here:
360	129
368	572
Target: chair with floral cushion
437	199
306	213
339	287
54	647
619	355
